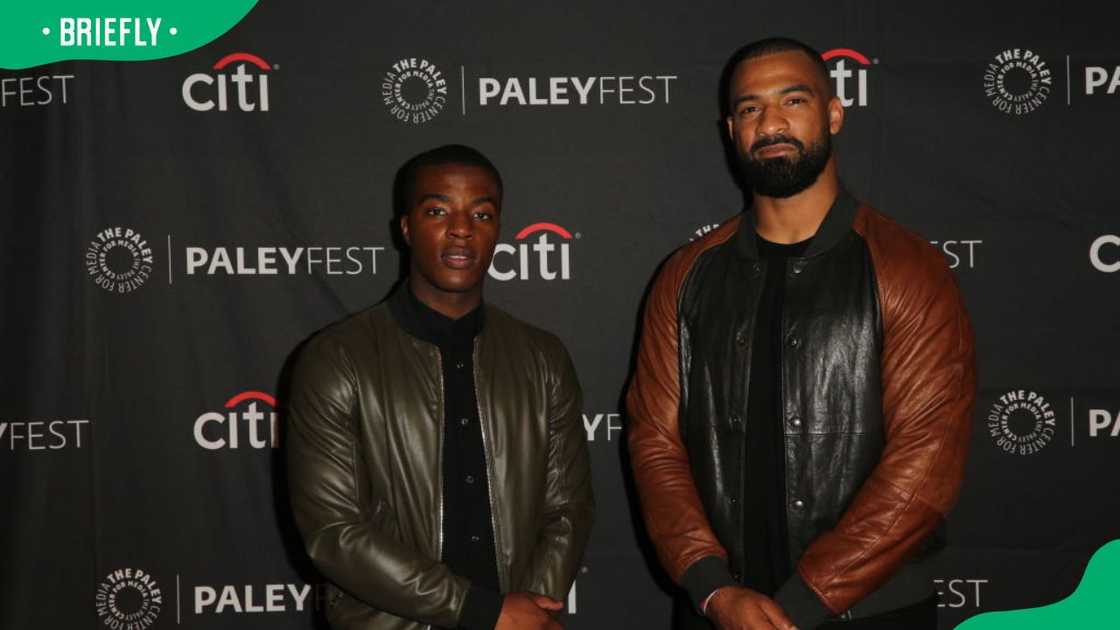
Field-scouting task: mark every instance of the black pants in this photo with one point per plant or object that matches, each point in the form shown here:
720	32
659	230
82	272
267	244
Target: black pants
920	616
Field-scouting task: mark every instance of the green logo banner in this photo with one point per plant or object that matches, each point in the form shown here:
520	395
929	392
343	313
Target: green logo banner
45	31
1092	605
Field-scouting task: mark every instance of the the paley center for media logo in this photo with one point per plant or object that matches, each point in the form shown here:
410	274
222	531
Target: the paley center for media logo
132	599
239	82
128	599
1022	422
1017	81
119	259
414	90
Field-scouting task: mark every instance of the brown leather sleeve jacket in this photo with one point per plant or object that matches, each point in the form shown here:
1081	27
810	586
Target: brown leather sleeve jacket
877	382
364	435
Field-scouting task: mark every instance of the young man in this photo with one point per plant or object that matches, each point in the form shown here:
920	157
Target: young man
438	469
801	404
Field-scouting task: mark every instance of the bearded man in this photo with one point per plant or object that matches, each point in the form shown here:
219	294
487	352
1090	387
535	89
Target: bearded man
800	410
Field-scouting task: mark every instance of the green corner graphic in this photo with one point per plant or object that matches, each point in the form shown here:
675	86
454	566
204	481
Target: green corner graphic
33	33
1092	605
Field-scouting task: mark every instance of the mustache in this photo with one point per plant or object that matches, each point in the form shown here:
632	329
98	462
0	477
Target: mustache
772	140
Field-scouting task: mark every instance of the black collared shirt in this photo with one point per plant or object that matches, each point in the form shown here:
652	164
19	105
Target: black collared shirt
468	535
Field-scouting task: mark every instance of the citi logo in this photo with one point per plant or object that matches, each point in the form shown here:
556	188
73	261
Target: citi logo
1102	259
841	72
240	423
205	92
546	255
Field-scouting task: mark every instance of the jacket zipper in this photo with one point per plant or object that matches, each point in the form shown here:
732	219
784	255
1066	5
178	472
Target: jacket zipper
439	458
489	471
439	454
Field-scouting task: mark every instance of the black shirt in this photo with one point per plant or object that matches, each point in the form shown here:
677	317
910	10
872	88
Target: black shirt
468	535
766	545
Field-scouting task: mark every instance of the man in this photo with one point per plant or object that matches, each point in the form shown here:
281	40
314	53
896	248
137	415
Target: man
438	468
801	403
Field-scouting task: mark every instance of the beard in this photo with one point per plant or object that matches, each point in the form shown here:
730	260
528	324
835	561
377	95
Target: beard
782	177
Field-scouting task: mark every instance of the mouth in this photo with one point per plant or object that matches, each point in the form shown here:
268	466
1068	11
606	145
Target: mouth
774	150
458	257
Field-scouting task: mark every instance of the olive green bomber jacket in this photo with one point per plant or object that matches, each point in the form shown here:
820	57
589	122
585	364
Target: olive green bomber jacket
364	443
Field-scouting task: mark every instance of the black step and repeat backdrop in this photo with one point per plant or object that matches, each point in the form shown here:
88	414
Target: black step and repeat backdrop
173	229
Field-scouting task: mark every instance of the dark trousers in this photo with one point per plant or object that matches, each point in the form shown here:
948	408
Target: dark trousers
919	616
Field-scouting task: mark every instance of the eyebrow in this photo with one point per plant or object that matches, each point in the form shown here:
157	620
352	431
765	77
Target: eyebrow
444	198
436	196
798	87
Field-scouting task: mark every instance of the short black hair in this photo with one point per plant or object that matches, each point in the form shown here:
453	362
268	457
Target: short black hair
405	182
761	48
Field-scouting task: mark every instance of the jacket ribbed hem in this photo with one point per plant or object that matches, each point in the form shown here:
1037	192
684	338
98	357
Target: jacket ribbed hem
801	604
703	577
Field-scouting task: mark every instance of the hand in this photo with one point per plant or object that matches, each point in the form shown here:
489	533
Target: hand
528	611
738	608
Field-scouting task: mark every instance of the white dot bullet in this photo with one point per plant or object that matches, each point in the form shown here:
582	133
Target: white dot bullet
174	31
46	30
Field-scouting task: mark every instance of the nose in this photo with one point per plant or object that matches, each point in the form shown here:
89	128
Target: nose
772	122
460	225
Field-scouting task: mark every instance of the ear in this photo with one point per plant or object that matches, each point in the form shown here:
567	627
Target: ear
730	129
404	230
835	115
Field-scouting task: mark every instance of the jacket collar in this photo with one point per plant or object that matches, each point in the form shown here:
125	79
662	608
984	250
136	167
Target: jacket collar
421	321
837	223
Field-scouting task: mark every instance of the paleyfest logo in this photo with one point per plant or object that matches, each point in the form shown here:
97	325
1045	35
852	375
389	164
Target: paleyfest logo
119	260
414	90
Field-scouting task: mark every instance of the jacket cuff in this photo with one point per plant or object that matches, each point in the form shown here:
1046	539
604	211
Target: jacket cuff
481	609
801	604
703	577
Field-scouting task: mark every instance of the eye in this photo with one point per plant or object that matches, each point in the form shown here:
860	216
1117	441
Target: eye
435	211
797	100
748	110
484	216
